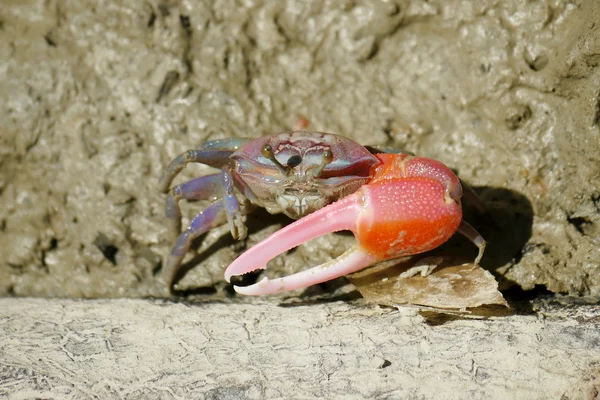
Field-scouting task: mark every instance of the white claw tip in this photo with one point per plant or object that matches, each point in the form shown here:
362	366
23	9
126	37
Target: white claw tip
256	289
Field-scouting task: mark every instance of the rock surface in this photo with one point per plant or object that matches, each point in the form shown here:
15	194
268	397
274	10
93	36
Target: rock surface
138	349
96	97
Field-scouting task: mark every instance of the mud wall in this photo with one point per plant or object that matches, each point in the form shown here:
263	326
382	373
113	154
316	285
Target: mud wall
96	97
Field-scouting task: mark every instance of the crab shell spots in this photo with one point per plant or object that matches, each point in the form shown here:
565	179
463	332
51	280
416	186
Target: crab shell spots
404	165
406	216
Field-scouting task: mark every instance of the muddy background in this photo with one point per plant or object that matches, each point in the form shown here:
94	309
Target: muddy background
96	97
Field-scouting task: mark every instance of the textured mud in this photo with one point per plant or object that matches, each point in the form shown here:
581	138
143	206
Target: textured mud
96	97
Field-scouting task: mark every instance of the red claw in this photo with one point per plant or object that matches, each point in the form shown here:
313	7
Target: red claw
411	205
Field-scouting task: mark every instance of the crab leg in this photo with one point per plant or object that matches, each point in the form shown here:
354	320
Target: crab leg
215	153
203	188
213	216
470	233
237	227
389	218
216	159
227	210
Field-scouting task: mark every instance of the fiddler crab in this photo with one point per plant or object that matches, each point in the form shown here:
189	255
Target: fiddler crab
396	204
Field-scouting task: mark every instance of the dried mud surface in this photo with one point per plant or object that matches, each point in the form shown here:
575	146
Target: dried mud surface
155	349
97	97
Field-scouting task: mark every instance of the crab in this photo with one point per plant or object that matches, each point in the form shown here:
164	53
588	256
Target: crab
396	204
294	173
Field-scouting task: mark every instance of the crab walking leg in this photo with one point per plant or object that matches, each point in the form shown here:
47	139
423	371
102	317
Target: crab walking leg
213	216
389	219
215	153
471	198
214	158
237	227
203	188
470	233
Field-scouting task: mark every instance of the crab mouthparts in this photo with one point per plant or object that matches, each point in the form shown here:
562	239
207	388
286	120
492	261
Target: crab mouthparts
297	205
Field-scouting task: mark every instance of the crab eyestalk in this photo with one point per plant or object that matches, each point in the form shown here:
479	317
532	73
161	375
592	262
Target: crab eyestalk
267	152
327	159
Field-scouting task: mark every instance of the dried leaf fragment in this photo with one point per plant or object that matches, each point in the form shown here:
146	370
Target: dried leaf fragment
451	284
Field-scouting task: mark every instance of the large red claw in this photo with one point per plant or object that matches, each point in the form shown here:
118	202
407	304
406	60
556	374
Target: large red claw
339	216
395	215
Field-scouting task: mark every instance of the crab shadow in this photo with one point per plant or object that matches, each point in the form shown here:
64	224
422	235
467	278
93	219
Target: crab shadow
506	226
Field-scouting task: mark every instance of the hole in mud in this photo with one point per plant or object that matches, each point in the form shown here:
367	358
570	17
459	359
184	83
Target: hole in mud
536	62
516	116
164	10
151	20
582	224
49	41
184	20
170	80
157	268
108	249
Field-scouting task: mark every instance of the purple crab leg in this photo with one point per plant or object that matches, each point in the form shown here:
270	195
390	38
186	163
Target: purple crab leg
213	216
229	144
215	153
203	188
234	213
216	159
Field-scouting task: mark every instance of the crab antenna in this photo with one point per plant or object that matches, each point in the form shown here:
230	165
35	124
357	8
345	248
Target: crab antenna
267	152
327	159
